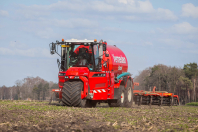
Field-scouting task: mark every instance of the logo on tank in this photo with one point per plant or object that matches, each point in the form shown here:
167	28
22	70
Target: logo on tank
119	59
120	68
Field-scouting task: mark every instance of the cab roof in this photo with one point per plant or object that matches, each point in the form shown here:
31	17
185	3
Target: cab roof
79	41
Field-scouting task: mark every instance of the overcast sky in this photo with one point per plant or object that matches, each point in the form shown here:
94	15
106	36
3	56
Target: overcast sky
148	32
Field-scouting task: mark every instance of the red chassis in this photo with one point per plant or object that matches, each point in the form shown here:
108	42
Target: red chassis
92	72
100	84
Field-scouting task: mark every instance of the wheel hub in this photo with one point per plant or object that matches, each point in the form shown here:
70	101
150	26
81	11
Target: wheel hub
129	94
122	97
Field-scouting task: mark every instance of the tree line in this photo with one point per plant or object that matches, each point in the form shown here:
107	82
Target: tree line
180	81
29	88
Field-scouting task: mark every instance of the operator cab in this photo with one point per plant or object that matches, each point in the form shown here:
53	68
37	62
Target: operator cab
80	56
79	53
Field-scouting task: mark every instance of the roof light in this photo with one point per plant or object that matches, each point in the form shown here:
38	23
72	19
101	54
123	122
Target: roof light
95	40
62	40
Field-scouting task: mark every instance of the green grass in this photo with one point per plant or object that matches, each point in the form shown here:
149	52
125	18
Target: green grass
192	104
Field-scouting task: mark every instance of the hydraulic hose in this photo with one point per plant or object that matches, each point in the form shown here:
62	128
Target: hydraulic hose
123	74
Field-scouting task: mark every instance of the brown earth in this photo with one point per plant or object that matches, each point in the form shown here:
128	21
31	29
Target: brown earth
39	116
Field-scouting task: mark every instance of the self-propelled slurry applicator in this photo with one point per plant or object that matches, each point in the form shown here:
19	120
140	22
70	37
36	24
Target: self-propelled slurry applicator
92	72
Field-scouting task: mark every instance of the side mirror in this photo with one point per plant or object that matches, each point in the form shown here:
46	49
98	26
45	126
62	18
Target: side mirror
52	52
104	47
53	46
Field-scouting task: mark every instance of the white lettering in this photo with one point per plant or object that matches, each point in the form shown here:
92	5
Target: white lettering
119	59
120	68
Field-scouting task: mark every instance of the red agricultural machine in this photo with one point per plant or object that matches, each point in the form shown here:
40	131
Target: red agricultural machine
155	98
92	72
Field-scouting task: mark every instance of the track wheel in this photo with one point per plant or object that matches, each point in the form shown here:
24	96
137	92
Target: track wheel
128	95
71	95
120	101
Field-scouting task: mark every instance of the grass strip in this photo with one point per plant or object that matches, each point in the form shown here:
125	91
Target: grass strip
192	104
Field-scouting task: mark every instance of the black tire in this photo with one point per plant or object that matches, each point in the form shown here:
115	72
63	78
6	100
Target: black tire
71	94
91	103
119	102
135	98
128	95
88	103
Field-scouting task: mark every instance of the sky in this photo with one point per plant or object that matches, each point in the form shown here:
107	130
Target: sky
149	32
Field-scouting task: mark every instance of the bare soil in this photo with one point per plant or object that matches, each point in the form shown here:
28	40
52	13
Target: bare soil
39	116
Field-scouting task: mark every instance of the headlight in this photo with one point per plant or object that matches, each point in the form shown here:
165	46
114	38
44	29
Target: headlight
61	74
76	77
66	77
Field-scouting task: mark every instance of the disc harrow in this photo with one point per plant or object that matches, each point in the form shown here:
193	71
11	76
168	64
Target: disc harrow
160	98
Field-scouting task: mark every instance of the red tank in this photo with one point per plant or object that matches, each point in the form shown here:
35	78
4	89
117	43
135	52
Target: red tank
117	60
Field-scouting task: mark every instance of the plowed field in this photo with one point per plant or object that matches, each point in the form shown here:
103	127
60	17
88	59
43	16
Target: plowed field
39	116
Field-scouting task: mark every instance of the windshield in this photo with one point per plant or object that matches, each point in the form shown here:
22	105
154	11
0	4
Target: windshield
80	56
96	55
